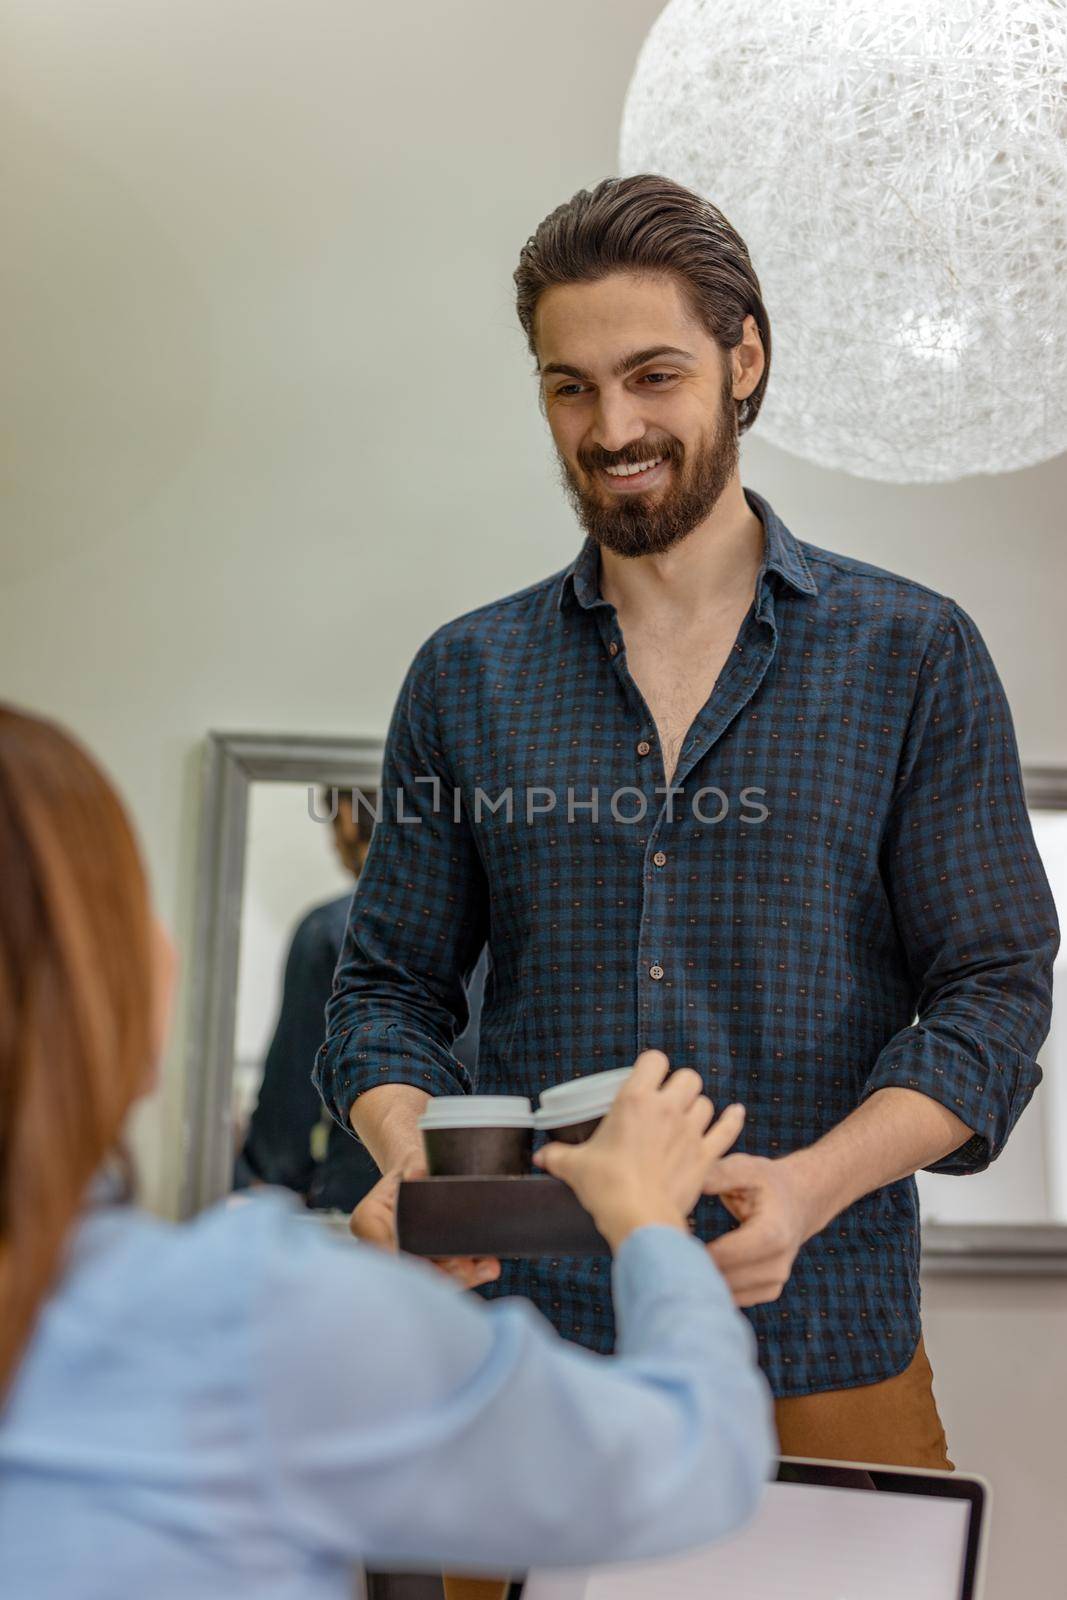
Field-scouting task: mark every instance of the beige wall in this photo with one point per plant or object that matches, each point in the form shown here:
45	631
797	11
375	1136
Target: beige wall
272	422
997	1348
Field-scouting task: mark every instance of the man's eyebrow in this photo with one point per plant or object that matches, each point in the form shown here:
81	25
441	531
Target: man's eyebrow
636	358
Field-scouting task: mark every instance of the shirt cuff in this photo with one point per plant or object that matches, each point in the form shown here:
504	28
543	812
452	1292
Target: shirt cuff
986	1083
355	1061
657	1259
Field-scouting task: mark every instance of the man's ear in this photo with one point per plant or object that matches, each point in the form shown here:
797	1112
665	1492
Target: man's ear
747	359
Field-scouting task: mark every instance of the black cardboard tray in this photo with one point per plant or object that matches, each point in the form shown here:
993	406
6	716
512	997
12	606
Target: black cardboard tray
511	1217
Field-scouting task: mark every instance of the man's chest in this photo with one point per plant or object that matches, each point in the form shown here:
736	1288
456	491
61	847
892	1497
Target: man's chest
781	759
676	676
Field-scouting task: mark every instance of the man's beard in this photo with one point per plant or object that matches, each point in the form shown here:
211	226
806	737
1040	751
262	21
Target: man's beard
635	525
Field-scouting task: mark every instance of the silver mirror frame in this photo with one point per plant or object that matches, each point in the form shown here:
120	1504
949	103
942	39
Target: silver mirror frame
233	761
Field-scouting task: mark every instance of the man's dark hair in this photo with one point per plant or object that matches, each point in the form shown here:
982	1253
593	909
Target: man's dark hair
330	796
363	817
650	224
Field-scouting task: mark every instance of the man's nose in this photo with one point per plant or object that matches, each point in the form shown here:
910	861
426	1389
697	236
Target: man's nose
618	423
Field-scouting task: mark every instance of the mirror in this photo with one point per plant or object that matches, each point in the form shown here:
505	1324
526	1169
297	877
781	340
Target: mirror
1017	1208
262	867
281	850
296	891
269	861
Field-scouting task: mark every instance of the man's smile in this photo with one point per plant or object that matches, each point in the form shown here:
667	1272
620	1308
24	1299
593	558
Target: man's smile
627	479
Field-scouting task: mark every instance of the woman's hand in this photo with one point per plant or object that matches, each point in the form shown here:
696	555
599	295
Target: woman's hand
650	1158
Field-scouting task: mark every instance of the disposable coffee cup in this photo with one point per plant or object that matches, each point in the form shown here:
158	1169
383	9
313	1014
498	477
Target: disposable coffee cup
477	1135
571	1112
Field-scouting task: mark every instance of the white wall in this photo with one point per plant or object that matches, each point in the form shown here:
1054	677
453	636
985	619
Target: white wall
272	422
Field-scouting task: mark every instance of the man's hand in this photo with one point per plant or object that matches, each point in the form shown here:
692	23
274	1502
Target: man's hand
374	1221
776	1215
782	1202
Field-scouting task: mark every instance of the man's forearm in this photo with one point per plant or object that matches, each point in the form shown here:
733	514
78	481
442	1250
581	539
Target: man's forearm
386	1119
893	1134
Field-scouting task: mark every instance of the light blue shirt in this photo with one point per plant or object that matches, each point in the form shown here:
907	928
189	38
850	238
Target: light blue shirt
246	1405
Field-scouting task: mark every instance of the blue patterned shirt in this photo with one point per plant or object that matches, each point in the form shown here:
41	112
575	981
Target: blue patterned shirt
841	894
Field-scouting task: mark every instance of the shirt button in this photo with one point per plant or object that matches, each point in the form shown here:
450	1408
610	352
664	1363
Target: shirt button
613	648
656	972
660	859
643	748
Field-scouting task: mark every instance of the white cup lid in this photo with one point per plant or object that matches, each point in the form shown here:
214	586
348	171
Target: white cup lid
594	1083
580	1100
478	1111
546	1120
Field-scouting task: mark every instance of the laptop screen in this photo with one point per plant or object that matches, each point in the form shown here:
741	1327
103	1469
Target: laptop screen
833	1539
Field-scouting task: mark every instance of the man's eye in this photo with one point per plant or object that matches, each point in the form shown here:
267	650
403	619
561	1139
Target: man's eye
567	389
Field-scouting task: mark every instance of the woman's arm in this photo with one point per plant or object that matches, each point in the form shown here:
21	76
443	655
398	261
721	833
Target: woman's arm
406	1424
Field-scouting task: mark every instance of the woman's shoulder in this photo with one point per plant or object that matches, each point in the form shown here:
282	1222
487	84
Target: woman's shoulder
146	1316
220	1263
160	1277
255	1280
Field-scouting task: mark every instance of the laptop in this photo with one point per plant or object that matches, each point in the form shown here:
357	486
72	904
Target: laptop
824	1531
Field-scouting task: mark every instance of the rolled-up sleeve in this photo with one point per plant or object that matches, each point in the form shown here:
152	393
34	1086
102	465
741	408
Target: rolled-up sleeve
971	901
417	925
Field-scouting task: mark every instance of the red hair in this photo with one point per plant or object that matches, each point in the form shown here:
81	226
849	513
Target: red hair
76	974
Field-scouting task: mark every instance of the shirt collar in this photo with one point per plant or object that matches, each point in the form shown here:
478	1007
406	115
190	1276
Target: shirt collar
781	554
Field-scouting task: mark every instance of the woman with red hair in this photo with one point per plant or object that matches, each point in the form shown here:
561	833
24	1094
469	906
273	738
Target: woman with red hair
242	1406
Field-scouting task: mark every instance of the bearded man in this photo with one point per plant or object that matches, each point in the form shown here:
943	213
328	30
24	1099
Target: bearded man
766	815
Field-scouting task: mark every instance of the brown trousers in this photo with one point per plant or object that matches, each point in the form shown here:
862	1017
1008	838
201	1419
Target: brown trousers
894	1424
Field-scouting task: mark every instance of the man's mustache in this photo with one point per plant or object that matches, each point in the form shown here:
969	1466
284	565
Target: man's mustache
630	460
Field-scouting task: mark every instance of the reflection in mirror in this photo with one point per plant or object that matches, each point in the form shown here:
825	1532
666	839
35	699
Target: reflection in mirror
305	847
303	854
1028	1182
